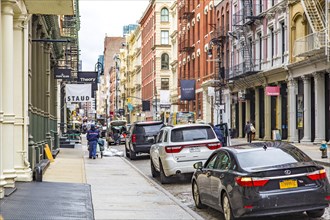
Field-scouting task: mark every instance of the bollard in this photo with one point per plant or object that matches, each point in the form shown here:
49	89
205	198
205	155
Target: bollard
38	174
324	149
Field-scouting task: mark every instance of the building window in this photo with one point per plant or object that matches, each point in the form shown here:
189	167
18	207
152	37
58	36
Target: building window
283	40
164	15
165	61
165	37
165	84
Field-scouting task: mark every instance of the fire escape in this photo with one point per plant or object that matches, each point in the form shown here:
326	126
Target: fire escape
243	20
317	42
219	39
70	28
185	16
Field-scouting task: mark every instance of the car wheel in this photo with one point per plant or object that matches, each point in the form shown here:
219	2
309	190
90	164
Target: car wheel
132	154
163	178
154	172
227	212
196	196
315	213
126	151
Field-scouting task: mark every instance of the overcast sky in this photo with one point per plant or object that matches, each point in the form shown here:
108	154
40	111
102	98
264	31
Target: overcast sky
100	18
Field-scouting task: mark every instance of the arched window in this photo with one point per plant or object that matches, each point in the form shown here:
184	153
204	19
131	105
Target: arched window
165	61
164	15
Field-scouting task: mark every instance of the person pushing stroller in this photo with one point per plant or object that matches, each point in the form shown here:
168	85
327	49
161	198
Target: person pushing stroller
92	136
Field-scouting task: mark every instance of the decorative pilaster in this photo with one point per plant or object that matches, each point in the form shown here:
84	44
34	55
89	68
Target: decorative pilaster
319	107
268	120
7	87
292	117
307	109
257	113
240	119
21	163
248	110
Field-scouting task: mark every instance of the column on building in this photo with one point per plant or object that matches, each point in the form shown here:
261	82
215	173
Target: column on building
240	119
257	113
47	94
307	109
247	110
267	115
279	111
319	107
2	177
8	150
292	117
20	143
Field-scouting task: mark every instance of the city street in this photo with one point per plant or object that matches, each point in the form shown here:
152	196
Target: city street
181	189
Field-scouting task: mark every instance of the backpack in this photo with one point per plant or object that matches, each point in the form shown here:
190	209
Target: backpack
252	128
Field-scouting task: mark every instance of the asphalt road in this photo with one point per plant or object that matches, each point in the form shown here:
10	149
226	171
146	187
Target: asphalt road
181	189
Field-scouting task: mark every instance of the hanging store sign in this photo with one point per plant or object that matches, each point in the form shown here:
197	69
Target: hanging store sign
188	89
78	92
272	90
62	73
87	77
165	98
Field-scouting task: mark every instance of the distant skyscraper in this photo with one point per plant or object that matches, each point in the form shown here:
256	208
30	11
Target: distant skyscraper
128	28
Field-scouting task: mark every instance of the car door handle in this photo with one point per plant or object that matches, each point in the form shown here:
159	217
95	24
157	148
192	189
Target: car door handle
221	176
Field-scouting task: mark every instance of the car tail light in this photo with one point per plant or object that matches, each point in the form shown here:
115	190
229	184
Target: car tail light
317	175
173	149
327	198
133	138
214	146
251	181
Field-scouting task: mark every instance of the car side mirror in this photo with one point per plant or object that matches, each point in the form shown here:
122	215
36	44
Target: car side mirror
198	165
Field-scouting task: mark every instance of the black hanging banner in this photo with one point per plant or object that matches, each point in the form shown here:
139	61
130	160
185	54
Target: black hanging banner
62	73
88	77
145	105
188	89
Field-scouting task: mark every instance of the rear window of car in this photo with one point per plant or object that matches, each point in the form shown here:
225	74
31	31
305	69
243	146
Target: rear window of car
192	134
269	157
148	128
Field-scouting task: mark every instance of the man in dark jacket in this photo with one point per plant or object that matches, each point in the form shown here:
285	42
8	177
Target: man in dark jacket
92	137
248	132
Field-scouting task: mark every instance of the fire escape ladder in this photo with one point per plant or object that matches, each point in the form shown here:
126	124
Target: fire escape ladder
185	15
315	14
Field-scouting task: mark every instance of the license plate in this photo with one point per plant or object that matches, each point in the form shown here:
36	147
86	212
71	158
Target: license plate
194	149
287	184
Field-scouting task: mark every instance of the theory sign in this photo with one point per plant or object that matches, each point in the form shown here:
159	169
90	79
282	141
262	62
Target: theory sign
87	77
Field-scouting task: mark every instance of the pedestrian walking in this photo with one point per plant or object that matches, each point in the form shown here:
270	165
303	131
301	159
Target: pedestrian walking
92	136
248	132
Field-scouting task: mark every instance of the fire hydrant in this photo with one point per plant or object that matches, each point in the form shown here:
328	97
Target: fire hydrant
324	149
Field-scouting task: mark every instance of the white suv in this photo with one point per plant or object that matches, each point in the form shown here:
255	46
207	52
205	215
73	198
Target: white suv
177	148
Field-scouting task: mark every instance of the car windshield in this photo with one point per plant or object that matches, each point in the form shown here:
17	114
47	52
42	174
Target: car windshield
148	128
270	157
191	134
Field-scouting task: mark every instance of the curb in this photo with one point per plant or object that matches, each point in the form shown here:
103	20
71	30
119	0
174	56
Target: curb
193	214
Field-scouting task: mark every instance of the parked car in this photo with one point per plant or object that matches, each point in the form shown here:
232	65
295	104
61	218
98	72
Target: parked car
140	137
261	179
178	148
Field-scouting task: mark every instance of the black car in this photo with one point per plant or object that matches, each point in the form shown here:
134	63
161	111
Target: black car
261	179
140	137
